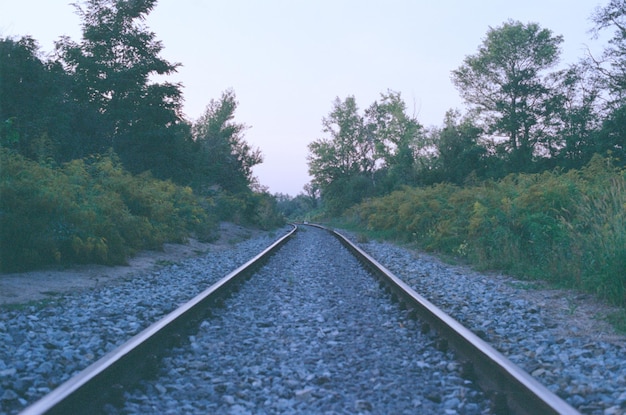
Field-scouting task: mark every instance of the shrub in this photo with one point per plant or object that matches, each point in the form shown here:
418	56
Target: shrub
569	228
90	211
31	212
598	232
251	208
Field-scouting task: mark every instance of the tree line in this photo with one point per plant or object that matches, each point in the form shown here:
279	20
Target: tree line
524	115
97	161
100	95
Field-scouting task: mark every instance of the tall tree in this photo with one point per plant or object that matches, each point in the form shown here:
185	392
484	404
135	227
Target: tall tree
612	64
33	104
113	67
347	151
21	77
505	85
342	165
224	158
396	137
573	140
458	152
612	68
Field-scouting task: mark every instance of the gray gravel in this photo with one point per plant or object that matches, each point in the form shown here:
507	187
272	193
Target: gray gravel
311	333
41	346
589	374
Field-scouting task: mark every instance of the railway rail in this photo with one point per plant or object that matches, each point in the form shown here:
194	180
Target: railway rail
511	389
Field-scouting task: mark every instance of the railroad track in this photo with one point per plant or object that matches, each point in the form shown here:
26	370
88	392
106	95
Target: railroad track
113	378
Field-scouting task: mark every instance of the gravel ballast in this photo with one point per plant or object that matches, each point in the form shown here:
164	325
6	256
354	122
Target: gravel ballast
43	345
588	370
310	333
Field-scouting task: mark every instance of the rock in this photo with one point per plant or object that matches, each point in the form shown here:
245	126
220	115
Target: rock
9	395
303	394
8	372
361	405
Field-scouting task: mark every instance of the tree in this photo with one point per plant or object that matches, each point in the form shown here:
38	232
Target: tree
343	164
458	152
503	84
395	135
347	152
612	69
296	208
612	64
365	156
113	67
224	158
573	140
34	108
22	76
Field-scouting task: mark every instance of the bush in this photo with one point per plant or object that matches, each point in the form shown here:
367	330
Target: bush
258	209
31	209
89	211
598	232
569	228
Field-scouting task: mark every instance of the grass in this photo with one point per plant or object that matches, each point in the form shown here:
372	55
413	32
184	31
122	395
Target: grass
567	228
618	321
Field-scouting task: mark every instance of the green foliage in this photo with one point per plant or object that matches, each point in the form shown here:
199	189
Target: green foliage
223	158
113	68
343	159
33	104
299	208
257	209
364	156
611	65
458	153
598	231
96	95
610	140
267	216
503	83
394	134
346	152
569	227
611	69
89	211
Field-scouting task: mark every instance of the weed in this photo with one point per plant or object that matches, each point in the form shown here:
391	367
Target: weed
572	306
89	211
618	321
362	238
566	228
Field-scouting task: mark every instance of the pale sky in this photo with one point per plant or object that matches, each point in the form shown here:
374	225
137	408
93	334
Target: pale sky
287	60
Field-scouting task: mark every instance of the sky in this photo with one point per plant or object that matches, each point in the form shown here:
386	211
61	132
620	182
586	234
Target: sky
287	60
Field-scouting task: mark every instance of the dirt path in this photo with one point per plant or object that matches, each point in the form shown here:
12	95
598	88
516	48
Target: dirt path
39	285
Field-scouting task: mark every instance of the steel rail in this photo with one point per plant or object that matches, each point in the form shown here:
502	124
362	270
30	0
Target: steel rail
511	389
105	380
